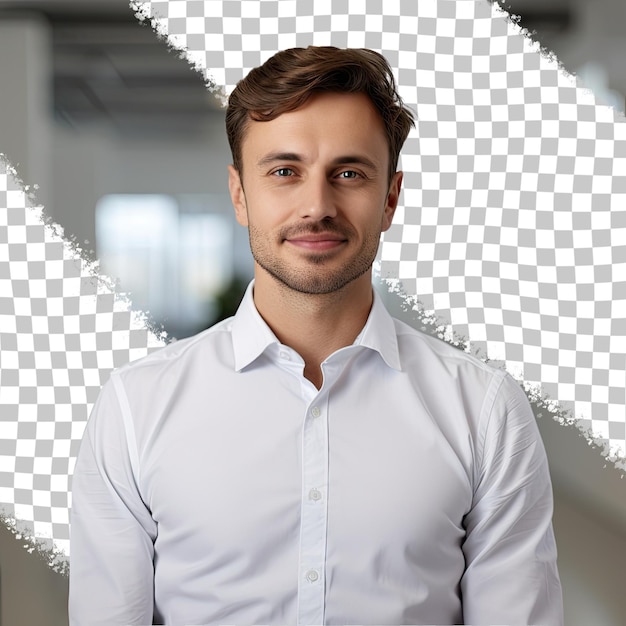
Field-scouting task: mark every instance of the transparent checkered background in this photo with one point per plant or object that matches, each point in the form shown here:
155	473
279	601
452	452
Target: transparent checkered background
510	229
62	330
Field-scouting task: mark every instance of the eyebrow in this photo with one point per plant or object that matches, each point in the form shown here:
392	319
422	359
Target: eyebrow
273	157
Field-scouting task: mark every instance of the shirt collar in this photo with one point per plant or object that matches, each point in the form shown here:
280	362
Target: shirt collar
251	335
379	334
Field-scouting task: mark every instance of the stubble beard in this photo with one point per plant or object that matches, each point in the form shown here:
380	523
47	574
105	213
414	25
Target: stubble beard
312	277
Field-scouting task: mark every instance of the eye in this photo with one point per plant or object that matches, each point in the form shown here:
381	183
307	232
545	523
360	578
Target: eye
283	172
348	174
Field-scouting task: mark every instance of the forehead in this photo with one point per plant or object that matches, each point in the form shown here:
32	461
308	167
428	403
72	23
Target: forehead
327	122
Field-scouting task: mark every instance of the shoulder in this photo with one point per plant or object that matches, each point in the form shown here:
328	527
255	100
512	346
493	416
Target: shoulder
211	344
144	393
487	396
418	348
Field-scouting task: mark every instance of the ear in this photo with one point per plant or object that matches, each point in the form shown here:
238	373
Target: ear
237	195
391	203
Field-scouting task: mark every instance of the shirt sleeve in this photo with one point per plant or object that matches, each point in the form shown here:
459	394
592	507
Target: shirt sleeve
111	530
511	574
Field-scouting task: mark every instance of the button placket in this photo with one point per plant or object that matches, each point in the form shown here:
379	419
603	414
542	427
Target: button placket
311	588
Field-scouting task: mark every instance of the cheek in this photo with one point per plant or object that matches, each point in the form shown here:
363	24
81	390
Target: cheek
261	216
270	208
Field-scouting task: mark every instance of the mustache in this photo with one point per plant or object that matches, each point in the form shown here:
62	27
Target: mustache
315	228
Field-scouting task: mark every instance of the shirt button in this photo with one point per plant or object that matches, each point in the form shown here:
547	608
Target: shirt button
285	355
315	495
315	411
312	575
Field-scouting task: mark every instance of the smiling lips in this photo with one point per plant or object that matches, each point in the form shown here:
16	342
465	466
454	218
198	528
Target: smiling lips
317	241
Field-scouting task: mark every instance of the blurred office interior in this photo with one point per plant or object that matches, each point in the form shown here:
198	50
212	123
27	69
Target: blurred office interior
112	126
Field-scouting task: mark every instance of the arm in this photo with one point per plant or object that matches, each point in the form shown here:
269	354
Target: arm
112	532
511	574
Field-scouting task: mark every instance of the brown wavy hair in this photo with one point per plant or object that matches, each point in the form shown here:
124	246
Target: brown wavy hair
288	79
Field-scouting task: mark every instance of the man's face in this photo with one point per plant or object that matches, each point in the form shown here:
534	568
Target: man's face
315	193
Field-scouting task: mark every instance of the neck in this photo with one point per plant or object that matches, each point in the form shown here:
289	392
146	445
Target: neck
314	325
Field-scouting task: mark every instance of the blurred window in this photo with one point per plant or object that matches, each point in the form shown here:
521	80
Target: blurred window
173	256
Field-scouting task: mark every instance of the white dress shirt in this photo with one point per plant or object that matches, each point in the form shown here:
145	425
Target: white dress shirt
216	484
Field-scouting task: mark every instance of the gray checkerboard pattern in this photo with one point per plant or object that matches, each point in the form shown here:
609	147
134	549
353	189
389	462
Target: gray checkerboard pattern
62	330
510	229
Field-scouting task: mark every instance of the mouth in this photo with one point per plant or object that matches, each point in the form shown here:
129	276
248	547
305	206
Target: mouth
317	241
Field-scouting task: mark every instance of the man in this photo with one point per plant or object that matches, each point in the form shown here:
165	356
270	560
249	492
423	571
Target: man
311	460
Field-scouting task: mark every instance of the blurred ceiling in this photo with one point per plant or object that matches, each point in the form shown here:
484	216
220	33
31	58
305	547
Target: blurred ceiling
109	68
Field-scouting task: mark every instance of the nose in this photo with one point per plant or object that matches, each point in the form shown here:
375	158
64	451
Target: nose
317	201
